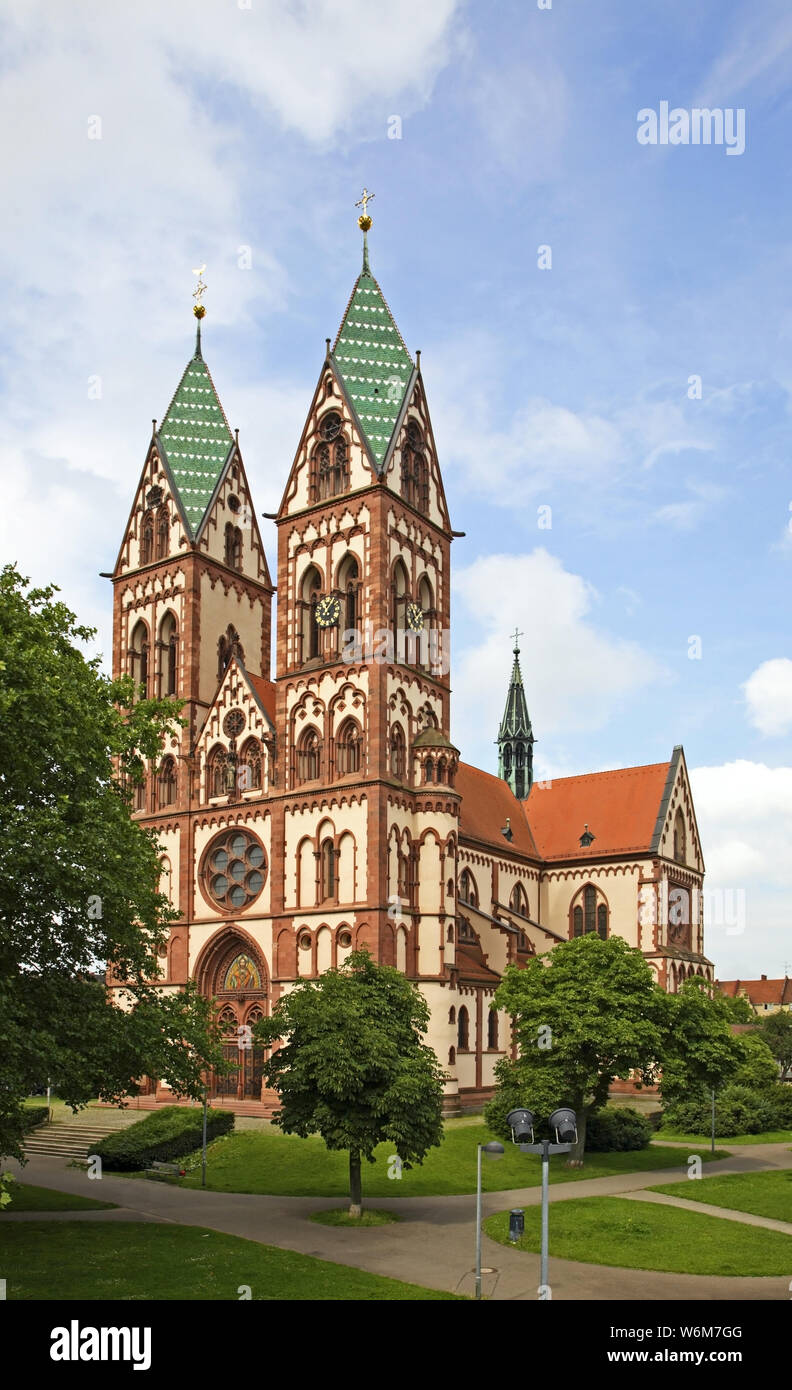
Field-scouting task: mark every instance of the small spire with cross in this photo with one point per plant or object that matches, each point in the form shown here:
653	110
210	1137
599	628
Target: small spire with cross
517	635
198	293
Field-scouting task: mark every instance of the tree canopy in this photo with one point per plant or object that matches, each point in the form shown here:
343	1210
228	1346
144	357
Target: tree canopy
79	879
584	1014
352	1065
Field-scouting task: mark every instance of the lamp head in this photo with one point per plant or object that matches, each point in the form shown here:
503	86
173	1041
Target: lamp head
521	1123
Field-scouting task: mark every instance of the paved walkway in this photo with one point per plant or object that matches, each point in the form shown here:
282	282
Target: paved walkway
433	1244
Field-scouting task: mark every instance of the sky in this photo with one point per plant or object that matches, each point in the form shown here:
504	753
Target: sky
605	328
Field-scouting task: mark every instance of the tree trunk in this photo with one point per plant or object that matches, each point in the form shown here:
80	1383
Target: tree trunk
575	1157
355	1192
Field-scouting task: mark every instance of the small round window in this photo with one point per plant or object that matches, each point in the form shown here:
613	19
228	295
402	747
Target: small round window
344	939
234	870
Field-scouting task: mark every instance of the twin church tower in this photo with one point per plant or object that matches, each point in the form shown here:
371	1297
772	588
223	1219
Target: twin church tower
322	806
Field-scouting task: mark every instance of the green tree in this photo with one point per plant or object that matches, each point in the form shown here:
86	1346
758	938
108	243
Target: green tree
79	880
777	1033
584	1014
700	1052
739	1009
352	1066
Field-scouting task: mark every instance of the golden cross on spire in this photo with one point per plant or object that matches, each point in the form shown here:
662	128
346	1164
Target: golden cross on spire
198	292
364	221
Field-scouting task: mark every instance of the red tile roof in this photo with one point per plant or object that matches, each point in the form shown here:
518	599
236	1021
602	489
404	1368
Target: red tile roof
620	809
470	963
265	690
487	802
761	991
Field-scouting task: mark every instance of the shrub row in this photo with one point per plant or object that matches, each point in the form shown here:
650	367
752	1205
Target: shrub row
163	1135
738	1110
34	1115
616	1129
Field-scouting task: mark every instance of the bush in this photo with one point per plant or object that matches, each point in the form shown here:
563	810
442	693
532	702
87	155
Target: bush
738	1110
164	1135
616	1129
781	1101
34	1115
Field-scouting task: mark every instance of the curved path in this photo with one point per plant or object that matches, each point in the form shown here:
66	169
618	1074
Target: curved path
433	1245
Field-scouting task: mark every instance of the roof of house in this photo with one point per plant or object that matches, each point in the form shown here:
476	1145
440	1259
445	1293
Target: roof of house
264	691
487	803
195	438
761	991
620	809
471	966
374	365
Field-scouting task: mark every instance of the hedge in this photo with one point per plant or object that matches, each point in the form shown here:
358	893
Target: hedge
35	1115
163	1135
616	1129
738	1110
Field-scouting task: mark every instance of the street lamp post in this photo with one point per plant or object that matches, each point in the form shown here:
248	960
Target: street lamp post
564	1123
492	1150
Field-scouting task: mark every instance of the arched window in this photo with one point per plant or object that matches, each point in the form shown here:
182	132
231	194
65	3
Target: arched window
414	469
139	799
451	1056
467	888
228	646
590	913
249	769
163	533
429	770
348	748
139	657
147	540
309	754
463	1030
167	782
518	901
397	752
441	770
403	876
327	885
679	837
330	460
167	654
452	1014
217	772
349	586
233	546
399	597
310	593
492	1030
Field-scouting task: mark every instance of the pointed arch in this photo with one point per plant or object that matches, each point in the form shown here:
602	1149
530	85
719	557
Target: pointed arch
166	783
228	646
399	596
163	532
306	624
398	756
309	756
139	657
168	650
233	546
348	748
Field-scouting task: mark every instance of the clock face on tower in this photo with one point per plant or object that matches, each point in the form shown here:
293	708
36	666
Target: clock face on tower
415	617
328	610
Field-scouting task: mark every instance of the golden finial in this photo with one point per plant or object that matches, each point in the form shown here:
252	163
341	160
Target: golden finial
198	308
364	221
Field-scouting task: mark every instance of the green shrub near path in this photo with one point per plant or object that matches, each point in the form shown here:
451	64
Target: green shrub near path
162	1136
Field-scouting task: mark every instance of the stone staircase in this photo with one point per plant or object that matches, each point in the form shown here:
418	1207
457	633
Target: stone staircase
75	1137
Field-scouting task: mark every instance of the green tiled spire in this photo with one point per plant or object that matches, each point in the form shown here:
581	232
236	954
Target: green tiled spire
515	736
196	438
372	361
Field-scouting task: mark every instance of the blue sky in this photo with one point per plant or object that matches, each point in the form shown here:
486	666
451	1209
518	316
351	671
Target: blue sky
567	388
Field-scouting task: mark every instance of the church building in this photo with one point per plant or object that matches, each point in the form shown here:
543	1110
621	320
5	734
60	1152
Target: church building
320	805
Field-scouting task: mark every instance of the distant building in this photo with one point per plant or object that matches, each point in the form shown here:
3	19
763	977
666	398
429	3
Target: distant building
765	996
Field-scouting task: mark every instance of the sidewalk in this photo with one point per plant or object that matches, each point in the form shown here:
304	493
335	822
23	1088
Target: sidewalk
433	1244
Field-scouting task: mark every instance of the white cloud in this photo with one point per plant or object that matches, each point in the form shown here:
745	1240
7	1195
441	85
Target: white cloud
744	812
577	674
768	696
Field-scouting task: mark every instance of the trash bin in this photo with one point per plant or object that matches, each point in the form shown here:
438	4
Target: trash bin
516	1224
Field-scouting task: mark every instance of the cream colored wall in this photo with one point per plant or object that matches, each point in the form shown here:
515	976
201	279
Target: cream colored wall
617	882
256	726
170	845
153	475
307	823
219	609
393	475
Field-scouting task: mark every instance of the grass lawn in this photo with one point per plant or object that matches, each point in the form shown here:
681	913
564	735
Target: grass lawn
336	1216
763	1194
639	1235
282	1165
27	1198
134	1260
771	1136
